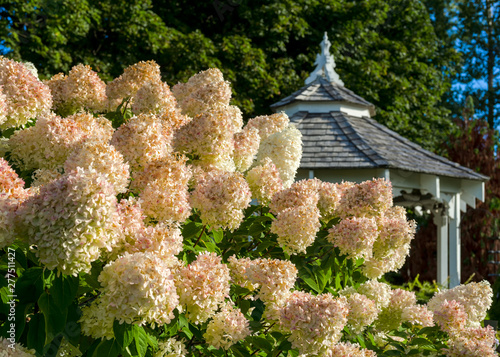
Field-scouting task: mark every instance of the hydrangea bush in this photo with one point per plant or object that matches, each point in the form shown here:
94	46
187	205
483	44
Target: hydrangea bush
142	220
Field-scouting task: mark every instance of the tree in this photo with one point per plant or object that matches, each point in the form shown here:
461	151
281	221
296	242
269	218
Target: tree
386	51
479	34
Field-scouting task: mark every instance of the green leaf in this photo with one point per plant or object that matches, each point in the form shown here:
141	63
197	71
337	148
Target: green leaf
55	318
30	285
309	281
192	229
64	290
141	340
36	333
262	343
218	235
107	348
124	333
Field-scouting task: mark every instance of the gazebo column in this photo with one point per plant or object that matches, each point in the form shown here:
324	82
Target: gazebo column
454	245
441	221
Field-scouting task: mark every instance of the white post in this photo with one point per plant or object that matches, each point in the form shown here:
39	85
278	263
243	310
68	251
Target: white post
441	221
311	174
455	258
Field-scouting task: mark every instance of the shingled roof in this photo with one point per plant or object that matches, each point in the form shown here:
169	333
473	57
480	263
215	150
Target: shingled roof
322	90
336	140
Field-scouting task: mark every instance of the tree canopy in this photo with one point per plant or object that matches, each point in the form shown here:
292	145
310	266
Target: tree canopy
387	51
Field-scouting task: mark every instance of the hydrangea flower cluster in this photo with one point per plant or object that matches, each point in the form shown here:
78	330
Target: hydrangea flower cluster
474	341
209	137
143	139
48	144
315	323
475	298
297	220
203	286
246	145
132	79
329	198
105	159
354	236
139	288
367	199
24	96
362	312
81	89
284	148
391	316
274	277
163	189
227	327
238	271
264	181
71	221
220	198
202	92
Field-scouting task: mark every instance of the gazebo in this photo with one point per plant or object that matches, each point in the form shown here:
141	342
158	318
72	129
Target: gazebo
342	142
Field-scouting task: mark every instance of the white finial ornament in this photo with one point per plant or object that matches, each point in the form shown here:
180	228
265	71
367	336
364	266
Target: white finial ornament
325	65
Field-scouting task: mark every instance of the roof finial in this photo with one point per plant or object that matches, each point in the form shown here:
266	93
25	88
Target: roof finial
325	64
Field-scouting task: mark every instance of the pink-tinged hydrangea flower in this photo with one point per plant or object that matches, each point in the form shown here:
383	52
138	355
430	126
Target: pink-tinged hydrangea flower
10	183
48	144
3	106
25	96
329	198
71	221
203	91
269	124
473	342
390	317
274	277
44	176
348	349
105	159
450	316
203	286
300	193
143	139
392	260
132	79
362	312
264	181
163	189
227	327
171	348
354	236
220	198
12	194
476	298
9	349
246	145
82	89
376	291
395	231
418	315
139	288
367	199
156	98
285	151
296	228
238	269
209	137
315	323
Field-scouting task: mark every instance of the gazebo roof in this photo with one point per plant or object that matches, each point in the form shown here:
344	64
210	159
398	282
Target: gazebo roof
337	140
322	90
